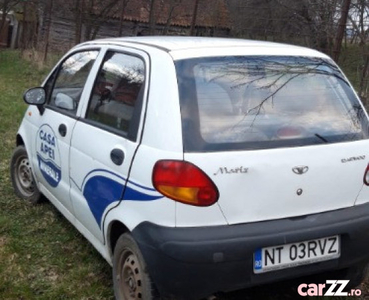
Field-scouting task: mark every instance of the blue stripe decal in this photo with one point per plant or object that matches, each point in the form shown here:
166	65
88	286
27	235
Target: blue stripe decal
102	171
101	190
132	194
119	177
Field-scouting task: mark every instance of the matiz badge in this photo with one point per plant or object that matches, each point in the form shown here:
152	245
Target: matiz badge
228	171
48	155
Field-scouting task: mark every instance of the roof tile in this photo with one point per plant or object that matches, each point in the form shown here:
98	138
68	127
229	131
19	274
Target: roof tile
211	13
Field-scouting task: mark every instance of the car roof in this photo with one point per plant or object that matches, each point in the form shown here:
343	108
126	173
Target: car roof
172	43
182	44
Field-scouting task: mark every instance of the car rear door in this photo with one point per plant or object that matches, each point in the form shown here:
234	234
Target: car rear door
105	140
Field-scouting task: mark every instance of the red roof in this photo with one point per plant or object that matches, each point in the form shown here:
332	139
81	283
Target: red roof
210	13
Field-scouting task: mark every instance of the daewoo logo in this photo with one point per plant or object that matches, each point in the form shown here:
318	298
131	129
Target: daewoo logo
354	158
299	170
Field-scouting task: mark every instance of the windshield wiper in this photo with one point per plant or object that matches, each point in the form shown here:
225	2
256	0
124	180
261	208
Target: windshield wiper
321	138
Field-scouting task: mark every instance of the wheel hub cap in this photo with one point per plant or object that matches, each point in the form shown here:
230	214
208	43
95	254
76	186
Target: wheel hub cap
25	175
131	278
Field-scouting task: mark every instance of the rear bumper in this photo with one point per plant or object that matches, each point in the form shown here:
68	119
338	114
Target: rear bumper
192	262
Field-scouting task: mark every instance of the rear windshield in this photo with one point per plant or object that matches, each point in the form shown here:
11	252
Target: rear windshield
231	103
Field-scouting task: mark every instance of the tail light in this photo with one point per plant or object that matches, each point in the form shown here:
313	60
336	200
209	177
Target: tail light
184	182
366	175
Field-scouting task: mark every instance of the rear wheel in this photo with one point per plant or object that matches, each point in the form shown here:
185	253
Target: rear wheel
130	276
356	275
21	175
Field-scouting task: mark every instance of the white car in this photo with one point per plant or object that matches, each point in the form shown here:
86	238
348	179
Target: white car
201	165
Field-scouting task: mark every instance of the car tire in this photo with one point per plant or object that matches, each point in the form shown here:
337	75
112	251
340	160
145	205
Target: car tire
22	177
356	275
130	277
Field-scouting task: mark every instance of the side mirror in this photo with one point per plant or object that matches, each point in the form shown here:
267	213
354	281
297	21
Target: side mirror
36	96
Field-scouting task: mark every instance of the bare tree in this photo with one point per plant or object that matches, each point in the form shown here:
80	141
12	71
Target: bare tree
341	29
152	19
49	13
123	7
194	17
78	16
151	6
95	14
307	22
173	8
358	26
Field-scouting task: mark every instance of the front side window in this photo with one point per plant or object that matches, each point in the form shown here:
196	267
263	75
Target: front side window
70	81
230	103
117	94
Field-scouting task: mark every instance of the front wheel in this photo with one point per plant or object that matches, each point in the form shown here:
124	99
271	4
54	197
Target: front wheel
22	178
130	276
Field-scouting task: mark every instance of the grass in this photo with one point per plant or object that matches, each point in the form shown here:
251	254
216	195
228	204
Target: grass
42	256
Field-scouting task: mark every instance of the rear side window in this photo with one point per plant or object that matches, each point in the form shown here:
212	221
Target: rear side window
230	103
116	98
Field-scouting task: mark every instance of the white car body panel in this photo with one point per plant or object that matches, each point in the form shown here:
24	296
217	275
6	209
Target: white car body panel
163	128
268	189
27	130
192	216
160	211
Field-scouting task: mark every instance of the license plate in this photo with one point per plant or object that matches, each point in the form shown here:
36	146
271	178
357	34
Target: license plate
295	254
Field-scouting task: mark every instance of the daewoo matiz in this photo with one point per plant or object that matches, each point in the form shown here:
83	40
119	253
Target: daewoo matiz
201	165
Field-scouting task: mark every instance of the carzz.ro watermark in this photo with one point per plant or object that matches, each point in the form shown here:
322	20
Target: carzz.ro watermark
329	288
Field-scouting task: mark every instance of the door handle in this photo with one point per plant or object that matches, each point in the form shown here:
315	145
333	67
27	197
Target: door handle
117	156
62	130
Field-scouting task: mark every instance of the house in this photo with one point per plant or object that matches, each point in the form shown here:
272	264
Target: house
19	28
9	30
131	18
176	16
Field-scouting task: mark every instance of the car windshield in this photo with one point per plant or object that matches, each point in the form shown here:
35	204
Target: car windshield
256	102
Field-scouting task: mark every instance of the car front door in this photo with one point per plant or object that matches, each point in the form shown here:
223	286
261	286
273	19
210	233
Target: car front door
105	140
64	91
